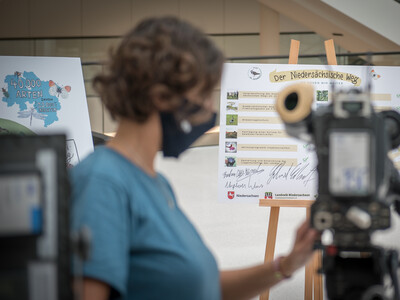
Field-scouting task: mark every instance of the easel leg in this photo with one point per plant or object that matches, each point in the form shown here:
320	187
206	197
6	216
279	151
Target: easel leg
271	239
308	285
318	292
294	52
315	276
330	52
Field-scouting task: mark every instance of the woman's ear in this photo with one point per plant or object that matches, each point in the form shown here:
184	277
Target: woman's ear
162	97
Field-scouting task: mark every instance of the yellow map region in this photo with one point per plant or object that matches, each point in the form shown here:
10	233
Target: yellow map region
270	133
266	161
260	120
255	107
258	147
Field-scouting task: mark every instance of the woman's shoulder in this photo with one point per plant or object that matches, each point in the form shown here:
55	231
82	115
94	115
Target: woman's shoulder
98	177
102	162
109	166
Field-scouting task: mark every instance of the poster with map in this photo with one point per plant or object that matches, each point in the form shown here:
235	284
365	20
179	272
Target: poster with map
46	95
257	159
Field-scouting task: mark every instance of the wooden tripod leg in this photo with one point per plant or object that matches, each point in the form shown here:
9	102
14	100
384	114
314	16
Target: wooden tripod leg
318	292
308	284
271	239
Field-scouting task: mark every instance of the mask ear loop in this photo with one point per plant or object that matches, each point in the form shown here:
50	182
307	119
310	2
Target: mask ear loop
185	126
186	110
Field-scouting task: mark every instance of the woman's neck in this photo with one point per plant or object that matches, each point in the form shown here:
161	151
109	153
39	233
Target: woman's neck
139	142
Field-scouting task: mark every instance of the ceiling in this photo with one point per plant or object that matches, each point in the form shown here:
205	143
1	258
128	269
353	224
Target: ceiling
348	26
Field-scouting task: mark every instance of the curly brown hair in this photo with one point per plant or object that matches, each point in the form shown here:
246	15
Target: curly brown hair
166	53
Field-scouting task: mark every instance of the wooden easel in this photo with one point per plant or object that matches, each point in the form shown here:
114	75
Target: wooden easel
312	278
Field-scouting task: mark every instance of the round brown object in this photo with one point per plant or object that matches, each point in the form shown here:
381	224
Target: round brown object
293	103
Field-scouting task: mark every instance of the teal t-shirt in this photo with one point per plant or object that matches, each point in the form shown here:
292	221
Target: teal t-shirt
143	246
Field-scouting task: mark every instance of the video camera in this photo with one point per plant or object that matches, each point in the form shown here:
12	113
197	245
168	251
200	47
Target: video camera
34	218
36	244
357	185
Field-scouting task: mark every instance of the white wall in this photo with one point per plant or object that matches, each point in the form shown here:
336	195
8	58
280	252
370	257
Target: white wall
382	16
91	18
73	18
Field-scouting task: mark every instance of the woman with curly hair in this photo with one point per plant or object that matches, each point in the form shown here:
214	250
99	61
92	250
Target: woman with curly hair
158	87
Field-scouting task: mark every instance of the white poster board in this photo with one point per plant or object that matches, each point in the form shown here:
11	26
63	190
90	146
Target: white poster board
46	95
257	160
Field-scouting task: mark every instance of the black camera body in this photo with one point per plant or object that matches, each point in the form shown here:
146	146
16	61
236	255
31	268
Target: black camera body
357	182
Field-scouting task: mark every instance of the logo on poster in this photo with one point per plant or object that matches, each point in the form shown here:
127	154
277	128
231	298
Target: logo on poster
231	194
374	75
254	73
268	195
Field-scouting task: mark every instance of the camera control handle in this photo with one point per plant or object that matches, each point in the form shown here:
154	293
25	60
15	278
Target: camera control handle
359	217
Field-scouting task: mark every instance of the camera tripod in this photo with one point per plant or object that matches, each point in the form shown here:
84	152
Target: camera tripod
361	274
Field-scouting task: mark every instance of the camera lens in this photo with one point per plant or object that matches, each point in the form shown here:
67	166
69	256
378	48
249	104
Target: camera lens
323	220
291	101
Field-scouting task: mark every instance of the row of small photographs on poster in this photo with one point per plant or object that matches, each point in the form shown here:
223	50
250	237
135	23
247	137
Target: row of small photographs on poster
230	147
230	161
231	134
231	106
321	95
232	95
231	119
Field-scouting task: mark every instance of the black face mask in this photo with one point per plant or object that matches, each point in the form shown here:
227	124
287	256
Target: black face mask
178	137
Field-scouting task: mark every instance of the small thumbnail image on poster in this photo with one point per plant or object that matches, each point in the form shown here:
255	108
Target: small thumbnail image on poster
231	119
232	106
232	95
230	147
322	95
230	161
231	134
